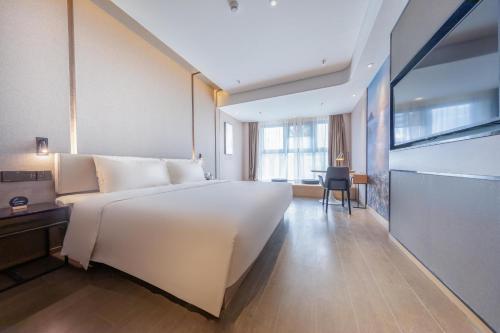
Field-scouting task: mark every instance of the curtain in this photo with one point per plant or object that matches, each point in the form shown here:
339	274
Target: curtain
253	133
291	148
337	147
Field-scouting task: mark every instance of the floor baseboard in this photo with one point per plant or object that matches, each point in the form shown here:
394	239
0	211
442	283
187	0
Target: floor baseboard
379	218
478	323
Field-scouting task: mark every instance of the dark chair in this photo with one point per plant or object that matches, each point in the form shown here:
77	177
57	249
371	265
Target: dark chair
336	179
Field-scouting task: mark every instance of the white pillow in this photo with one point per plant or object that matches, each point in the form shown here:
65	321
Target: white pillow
122	173
185	171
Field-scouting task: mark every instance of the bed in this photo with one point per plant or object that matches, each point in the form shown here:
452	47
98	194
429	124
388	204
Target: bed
193	240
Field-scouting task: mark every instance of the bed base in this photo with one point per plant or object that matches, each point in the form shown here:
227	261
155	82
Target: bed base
238	295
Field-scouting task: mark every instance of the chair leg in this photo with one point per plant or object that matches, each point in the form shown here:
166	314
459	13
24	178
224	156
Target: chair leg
324	194
349	200
342	198
327	197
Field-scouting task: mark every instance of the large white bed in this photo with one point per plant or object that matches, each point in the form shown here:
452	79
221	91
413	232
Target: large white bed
193	240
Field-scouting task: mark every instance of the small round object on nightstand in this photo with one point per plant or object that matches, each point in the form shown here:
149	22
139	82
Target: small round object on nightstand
18	201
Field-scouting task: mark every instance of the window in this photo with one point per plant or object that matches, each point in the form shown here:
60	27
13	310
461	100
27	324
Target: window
291	149
273	139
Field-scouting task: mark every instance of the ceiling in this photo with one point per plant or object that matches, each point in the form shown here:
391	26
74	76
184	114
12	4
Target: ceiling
259	45
262	48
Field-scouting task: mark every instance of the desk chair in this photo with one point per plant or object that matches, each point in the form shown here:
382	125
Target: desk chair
336	179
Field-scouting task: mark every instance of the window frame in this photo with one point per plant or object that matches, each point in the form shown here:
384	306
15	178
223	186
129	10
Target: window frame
286	136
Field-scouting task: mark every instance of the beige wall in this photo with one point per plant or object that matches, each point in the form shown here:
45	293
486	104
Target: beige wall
132	98
231	166
138	95
34	90
34	83
204	123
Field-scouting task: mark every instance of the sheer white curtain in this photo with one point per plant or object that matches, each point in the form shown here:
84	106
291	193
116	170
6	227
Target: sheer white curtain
291	148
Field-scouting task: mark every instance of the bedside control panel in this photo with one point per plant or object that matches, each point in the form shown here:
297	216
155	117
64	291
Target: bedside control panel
25	176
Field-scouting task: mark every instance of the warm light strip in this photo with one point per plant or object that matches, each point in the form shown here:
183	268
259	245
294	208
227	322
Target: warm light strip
72	79
193	148
216	105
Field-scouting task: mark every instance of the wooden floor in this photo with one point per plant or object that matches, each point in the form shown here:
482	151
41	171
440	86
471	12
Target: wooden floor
320	274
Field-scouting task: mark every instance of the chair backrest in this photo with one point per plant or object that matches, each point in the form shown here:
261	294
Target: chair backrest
336	178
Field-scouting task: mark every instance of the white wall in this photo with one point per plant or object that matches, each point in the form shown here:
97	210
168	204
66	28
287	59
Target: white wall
231	166
475	156
358	139
138	95
415	27
469	157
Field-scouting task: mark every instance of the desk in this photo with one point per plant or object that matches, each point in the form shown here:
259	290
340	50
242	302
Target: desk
333	201
357	179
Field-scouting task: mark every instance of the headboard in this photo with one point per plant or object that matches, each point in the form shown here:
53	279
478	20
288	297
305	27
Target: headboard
75	174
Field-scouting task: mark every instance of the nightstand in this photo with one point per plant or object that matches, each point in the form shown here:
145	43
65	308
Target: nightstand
16	231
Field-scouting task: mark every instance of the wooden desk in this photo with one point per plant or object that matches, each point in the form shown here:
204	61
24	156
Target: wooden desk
357	179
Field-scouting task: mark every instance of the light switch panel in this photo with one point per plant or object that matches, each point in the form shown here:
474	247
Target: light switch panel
18	176
43	175
25	176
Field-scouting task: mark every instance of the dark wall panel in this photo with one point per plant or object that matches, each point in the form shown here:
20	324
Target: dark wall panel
452	225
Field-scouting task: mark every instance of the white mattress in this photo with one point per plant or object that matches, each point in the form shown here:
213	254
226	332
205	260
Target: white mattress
191	240
70	199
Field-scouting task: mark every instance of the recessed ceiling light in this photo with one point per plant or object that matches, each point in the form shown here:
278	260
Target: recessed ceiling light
370	65
353	95
419	98
273	3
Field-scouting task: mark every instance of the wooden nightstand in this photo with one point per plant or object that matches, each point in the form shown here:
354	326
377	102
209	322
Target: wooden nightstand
15	230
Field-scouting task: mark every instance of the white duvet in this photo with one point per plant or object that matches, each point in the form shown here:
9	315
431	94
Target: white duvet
191	240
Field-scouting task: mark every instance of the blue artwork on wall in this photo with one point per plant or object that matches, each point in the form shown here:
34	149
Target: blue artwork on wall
378	141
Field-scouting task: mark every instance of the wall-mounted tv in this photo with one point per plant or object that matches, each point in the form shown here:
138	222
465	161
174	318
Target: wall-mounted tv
450	90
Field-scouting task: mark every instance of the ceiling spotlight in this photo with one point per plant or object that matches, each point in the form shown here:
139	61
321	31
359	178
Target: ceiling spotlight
238	81
419	98
323	61
233	4
370	65
273	3
353	95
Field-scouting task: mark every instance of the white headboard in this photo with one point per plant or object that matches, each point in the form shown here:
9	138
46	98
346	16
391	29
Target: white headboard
75	174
